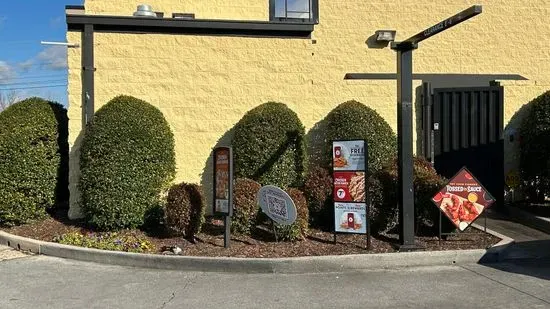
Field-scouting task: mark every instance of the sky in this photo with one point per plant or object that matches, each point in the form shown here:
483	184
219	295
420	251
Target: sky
27	67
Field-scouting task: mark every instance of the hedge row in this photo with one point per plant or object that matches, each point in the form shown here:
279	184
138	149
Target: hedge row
128	162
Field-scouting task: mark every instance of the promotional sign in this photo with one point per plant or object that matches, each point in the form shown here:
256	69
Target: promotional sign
222	180
349	187
277	205
350	218
463	199
348	155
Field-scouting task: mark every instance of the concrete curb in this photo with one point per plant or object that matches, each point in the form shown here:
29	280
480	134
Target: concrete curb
528	219
311	264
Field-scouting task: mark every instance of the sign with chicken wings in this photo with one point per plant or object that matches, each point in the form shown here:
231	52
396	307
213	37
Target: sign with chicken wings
463	199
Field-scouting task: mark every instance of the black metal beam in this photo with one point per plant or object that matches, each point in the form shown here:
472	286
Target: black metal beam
444	25
405	149
435	76
122	24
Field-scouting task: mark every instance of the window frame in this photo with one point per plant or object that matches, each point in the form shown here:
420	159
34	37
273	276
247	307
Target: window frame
313	12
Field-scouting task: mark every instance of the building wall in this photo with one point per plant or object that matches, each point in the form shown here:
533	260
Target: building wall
205	84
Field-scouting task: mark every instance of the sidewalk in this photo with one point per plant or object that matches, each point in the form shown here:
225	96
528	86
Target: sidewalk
529	243
7	253
506	225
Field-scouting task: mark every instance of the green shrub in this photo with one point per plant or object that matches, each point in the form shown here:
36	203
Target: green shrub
127	160
269	146
535	145
426	184
107	241
299	229
185	209
353	120
318	191
33	160
245	205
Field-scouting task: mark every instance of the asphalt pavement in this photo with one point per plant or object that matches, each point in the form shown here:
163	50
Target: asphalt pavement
46	282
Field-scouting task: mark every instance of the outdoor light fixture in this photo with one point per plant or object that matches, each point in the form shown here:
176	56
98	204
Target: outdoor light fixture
385	35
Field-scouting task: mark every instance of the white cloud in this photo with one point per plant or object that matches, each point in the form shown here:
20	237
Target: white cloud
7	73
25	66
53	58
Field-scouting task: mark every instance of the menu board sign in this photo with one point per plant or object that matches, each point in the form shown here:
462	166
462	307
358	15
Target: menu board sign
349	188
222	180
463	199
348	155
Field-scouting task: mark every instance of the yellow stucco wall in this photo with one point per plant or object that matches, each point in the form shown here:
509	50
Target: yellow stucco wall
205	84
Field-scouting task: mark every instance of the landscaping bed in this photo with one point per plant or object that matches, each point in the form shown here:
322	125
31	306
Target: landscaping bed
210	241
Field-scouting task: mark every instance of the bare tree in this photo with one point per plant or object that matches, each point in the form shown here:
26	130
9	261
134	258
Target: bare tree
7	98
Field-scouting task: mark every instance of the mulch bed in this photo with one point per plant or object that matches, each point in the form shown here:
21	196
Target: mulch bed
210	241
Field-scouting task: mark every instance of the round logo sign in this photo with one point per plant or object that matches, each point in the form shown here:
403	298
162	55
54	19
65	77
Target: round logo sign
277	205
341	193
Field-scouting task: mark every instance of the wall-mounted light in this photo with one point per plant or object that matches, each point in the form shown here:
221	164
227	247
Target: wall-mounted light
385	35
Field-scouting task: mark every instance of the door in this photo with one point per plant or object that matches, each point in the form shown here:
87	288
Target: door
466	130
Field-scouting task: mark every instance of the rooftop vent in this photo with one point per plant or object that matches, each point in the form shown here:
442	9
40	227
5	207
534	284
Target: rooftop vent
145	10
183	15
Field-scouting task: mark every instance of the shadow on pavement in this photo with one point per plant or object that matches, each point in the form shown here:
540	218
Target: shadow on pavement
530	258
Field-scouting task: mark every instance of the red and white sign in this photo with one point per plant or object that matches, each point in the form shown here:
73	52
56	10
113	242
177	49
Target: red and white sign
463	199
349	186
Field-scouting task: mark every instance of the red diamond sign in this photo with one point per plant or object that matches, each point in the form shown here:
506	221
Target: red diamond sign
463	199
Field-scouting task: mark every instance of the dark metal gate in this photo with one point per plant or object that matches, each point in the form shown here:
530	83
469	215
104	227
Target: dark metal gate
463	127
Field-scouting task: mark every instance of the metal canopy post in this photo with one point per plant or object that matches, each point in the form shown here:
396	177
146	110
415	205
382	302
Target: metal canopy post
404	51
405	146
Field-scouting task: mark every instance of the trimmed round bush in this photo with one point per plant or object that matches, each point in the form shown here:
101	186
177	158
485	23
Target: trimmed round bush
353	120
318	191
426	183
185	209
127	161
33	160
535	146
269	146
299	229
245	205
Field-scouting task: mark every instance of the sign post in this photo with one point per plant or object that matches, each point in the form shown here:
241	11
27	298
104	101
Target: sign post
223	188
404	51
350	194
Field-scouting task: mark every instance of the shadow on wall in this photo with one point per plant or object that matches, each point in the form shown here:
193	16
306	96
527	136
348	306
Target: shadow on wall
62	184
75	211
316	143
207	177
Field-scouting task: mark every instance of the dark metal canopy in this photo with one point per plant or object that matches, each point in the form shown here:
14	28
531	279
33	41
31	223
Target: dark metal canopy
121	24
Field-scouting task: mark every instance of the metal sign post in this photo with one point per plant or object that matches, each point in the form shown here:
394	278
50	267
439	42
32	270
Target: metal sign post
223	189
404	51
